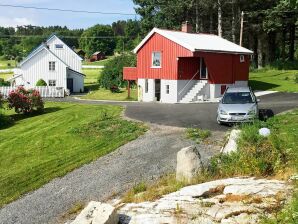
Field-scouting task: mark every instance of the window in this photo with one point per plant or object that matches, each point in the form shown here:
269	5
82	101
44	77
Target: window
242	58
204	70
59	46
167	89
52	82
146	85
156	59
52	66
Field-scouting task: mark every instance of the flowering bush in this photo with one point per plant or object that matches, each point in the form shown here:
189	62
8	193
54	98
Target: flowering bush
25	101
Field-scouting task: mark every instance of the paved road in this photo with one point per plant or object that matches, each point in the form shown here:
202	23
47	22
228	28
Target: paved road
144	159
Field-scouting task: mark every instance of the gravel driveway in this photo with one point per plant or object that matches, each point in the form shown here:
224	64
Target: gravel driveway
145	158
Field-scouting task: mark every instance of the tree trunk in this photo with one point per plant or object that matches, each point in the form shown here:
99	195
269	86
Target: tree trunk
271	46
292	42
283	45
233	23
219	11
211	23
260	51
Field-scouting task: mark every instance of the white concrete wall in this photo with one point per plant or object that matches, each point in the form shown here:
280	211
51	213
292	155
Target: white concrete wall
66	54
38	68
78	81
150	95
173	93
183	86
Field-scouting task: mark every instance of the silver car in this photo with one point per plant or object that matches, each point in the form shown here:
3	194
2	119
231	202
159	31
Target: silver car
238	104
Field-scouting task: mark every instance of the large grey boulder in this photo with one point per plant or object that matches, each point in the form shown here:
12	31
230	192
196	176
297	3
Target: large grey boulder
189	164
97	213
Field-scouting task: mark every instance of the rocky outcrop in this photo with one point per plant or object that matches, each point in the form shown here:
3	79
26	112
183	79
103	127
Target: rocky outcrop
97	213
233	200
189	164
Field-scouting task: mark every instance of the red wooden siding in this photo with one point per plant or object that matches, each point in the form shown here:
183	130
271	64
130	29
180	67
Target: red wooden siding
188	67
170	51
130	73
241	69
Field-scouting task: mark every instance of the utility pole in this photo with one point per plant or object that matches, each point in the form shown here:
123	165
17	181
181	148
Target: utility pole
219	11
197	17
241	28
233	22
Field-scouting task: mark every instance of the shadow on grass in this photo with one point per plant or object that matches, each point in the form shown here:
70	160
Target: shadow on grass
91	87
259	85
8	121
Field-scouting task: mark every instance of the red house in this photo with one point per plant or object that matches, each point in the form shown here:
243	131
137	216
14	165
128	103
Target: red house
97	56
182	67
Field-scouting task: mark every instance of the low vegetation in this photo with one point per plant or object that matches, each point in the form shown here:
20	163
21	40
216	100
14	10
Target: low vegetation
98	63
7	64
198	135
275	156
274	79
38	148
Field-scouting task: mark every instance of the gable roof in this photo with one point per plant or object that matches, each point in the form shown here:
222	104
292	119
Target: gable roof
39	49
44	46
197	42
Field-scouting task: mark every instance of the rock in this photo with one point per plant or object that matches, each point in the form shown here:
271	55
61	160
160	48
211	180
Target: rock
189	164
97	213
265	132
226	201
231	146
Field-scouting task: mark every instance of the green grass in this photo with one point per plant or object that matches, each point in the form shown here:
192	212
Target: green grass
4	64
273	79
36	149
96	93
6	76
198	135
100	63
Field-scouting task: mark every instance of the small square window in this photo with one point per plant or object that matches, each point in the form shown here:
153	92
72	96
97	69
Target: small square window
167	89
242	58
52	82
146	85
156	59
52	66
59	46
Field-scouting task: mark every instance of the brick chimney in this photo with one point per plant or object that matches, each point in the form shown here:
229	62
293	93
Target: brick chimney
186	27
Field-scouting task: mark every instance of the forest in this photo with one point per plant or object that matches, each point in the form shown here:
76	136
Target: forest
269	28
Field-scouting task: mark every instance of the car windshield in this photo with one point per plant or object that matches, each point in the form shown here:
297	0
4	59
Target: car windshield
237	98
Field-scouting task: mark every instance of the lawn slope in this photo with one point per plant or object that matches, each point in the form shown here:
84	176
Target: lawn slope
37	149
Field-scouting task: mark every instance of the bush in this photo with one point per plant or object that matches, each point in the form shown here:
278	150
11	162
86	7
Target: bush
112	74
4	83
41	82
24	101
115	89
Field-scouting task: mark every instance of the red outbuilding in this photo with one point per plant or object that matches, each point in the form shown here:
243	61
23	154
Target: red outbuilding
97	56
180	66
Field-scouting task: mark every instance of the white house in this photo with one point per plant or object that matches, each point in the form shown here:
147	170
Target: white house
54	62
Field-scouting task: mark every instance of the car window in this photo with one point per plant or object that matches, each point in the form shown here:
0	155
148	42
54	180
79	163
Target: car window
238	98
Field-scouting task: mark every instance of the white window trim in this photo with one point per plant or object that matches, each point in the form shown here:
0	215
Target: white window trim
52	80
152	66
242	58
201	62
51	66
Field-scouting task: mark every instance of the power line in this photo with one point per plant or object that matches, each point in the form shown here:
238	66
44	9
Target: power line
68	10
67	37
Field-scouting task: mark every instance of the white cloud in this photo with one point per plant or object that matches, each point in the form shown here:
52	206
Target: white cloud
17	21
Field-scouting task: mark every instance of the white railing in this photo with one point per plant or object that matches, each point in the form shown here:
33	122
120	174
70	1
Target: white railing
189	81
45	91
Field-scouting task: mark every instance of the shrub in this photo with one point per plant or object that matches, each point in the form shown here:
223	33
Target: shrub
112	74
41	82
115	89
4	83
24	101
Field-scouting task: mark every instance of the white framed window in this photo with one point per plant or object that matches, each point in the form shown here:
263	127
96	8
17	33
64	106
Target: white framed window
156	59
52	82
59	46
242	58
146	85
167	89
52	66
203	69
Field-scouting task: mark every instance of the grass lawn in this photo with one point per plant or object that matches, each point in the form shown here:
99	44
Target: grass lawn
4	64
273	79
97	93
36	149
100	63
5	76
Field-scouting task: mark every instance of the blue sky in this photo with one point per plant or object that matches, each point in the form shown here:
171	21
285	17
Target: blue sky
17	16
